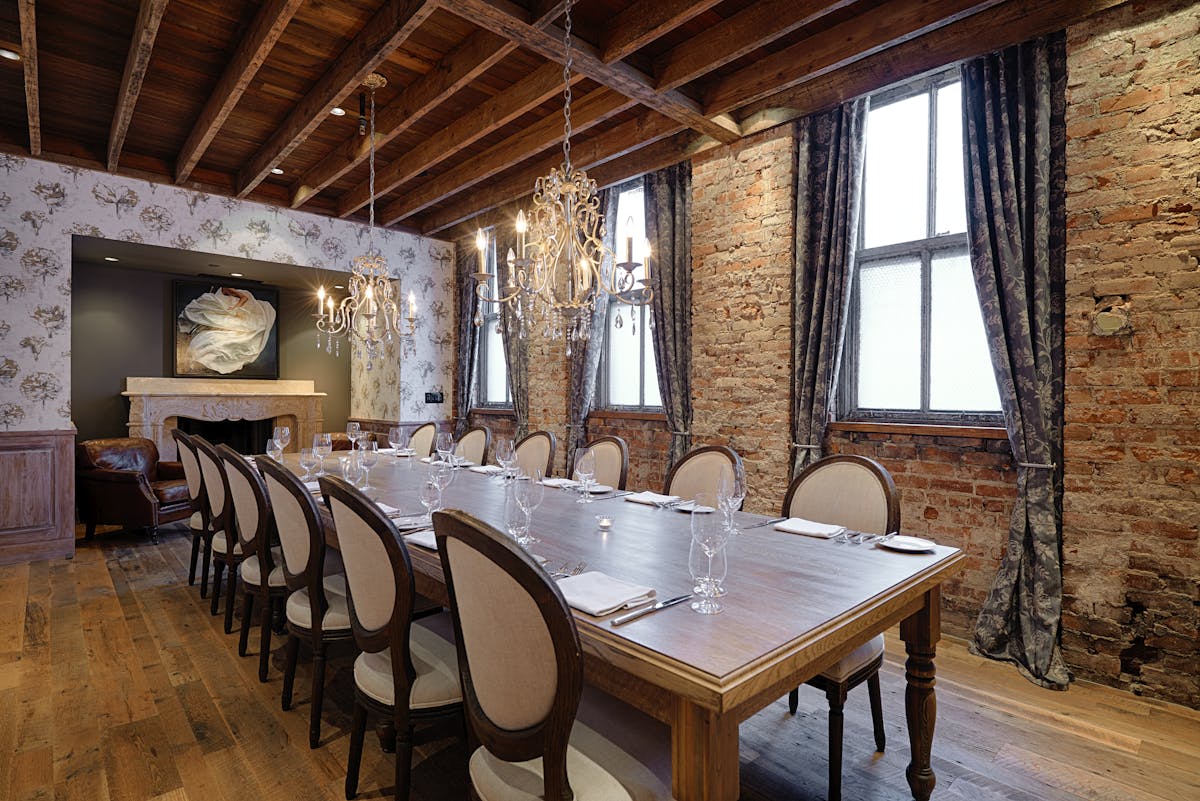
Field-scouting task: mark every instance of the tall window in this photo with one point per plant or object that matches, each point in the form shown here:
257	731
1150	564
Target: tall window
628	371
491	366
916	346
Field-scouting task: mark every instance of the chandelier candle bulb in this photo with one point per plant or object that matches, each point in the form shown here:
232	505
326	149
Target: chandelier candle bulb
412	306
629	240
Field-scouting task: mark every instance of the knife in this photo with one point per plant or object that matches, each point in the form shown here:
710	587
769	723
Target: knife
645	610
770	522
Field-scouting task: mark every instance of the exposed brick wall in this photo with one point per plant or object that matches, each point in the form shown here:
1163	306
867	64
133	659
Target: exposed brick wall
649	440
1132	457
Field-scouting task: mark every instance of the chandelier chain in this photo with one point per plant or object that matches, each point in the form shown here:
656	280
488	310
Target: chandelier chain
568	62
371	179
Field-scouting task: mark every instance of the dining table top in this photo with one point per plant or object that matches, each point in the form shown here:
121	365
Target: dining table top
790	598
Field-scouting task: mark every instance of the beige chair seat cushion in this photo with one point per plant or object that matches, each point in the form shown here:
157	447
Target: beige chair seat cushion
854	660
219	544
196	522
252	572
434	659
337	616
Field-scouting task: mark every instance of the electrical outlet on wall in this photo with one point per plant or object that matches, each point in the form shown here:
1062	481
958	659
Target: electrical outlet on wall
434	397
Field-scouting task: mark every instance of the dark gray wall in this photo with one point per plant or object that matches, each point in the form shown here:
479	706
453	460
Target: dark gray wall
121	326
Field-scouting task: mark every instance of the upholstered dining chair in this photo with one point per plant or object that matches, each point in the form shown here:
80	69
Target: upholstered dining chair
226	550
521	665
198	522
700	471
612	461
261	571
536	452
474	444
858	493
407	671
422	439
317	610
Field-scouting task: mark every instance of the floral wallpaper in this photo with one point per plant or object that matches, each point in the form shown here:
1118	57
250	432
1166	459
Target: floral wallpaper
43	204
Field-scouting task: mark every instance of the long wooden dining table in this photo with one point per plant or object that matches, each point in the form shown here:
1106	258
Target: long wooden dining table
795	605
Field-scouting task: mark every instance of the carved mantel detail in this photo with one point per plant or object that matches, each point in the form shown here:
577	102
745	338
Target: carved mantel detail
155	404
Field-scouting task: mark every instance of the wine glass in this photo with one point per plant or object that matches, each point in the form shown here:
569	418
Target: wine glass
282	435
368	457
506	456
322	447
431	497
352	470
731	491
704	583
444	446
353	431
397	439
515	519
529	497
441	475
274	450
711	535
308	460
585	471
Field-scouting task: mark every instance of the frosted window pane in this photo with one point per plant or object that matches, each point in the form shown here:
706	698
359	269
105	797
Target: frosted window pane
496	381
889	350
623	363
896	178
653	396
951	212
960	366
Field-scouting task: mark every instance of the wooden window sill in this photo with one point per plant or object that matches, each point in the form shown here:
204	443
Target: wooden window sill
918	429
493	411
627	414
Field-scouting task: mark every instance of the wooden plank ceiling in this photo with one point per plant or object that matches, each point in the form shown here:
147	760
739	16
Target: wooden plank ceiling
215	94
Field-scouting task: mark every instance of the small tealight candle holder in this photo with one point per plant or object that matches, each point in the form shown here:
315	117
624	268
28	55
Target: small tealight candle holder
604	522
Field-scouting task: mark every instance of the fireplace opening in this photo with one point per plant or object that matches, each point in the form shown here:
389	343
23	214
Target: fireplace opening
244	436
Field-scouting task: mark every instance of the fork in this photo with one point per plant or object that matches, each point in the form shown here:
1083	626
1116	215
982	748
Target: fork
567	570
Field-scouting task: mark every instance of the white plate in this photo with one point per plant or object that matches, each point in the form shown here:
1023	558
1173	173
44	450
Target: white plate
691	508
406	522
597	489
907	544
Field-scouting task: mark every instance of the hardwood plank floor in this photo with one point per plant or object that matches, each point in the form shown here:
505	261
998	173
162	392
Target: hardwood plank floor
115	683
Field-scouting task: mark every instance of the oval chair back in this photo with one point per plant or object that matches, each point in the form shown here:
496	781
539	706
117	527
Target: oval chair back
250	510
473	445
538	651
536	452
700	471
422	439
191	467
612	461
216	486
301	537
845	490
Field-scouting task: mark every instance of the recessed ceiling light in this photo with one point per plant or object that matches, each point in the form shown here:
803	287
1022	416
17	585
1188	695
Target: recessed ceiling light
338	111
111	258
276	171
236	275
12	55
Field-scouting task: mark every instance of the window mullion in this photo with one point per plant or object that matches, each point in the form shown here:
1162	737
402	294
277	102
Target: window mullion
926	326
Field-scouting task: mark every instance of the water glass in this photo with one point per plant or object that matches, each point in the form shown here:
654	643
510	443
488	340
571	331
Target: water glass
585	471
282	435
731	491
352	470
515	520
322	447
711	535
441	474
368	457
704	582
274	450
308	460
530	495
506	456
353	431
444	445
397	438
431	497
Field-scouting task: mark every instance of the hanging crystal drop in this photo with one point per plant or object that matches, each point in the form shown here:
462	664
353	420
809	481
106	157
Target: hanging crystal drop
620	322
633	324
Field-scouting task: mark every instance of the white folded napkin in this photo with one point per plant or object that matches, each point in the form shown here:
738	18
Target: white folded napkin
424	538
599	594
409	522
691	507
387	510
459	461
560	483
487	469
809	528
427	459
312	486
651	498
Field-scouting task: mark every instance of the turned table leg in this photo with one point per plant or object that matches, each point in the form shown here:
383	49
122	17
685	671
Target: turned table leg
920	633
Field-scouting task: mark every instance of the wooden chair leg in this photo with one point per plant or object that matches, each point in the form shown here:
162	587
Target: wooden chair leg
404	743
218	571
289	671
153	532
247	610
264	641
318	698
194	560
231	590
793	700
358	733
877	711
837	701
207	560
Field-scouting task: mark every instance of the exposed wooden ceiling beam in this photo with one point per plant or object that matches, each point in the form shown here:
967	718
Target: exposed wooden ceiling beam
492	115
616	142
590	110
383	33
645	21
742	33
145	30
511	20
892	23
478	53
268	25
29	57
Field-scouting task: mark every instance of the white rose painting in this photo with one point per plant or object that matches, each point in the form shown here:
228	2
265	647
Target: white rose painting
225	331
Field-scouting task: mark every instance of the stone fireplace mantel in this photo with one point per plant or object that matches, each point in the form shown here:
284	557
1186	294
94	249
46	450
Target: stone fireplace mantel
156	404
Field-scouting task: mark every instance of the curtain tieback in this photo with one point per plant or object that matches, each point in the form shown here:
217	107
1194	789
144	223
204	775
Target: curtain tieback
798	446
680	433
1037	466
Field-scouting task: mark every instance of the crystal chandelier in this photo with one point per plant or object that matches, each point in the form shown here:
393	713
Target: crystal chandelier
370	314
557	272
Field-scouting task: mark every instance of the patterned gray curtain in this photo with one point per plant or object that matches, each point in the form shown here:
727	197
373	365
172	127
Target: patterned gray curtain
1013	109
516	345
668	227
467	260
830	169
584	358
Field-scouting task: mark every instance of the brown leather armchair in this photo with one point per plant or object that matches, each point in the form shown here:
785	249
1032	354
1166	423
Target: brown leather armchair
121	481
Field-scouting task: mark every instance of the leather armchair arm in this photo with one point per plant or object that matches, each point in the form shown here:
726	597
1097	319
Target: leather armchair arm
130	478
168	471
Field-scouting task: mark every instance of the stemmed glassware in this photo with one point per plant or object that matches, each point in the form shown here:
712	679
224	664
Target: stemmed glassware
353	431
431	497
322	447
308	460
397	438
585	472
529	495
368	457
282	435
515	519
352	470
710	534
506	457
441	474
444	445
731	491
274	450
